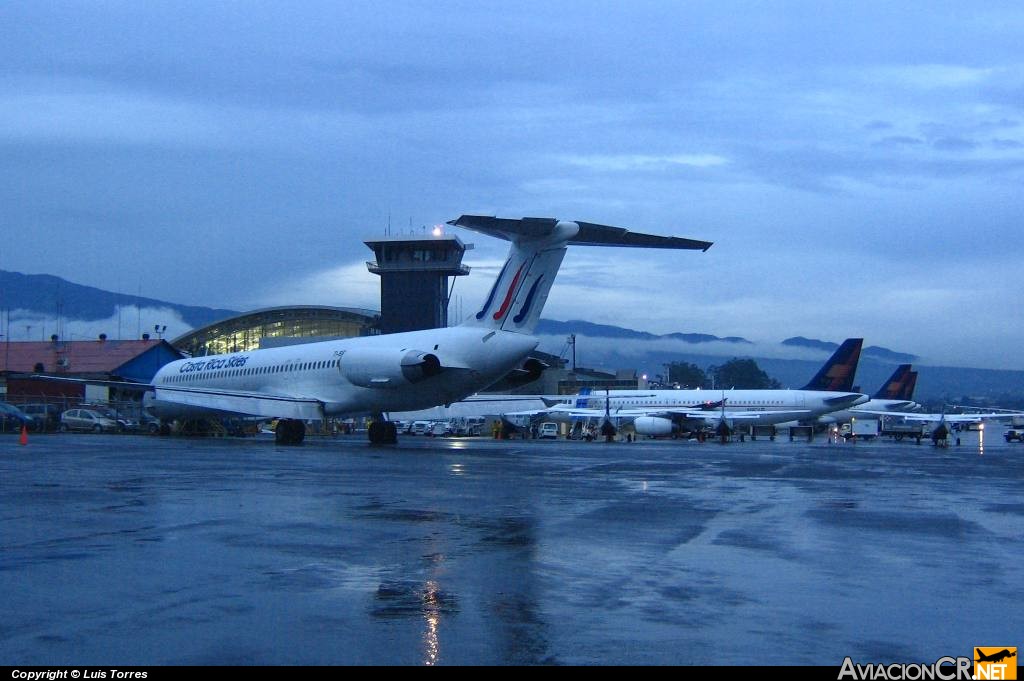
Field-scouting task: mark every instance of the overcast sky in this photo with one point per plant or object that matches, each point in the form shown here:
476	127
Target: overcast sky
857	164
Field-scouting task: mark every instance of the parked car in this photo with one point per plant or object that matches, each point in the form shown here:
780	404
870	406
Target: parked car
12	418
88	420
125	424
45	417
148	424
1014	434
549	430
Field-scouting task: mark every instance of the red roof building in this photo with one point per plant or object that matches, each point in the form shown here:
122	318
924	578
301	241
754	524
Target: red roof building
134	361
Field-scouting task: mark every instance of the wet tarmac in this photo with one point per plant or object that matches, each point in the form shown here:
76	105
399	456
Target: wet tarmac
144	550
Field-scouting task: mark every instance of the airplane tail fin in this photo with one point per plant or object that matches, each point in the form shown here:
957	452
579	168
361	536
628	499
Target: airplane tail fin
538	246
895	386
837	374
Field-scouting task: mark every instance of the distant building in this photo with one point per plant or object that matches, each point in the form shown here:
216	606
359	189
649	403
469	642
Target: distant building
108	360
571	382
277	325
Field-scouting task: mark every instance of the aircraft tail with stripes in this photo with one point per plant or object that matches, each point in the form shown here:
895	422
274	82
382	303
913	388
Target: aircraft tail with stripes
517	297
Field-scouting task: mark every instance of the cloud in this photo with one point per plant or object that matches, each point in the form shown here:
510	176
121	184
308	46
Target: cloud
955	144
128	322
604	349
899	140
931	76
348	285
642	162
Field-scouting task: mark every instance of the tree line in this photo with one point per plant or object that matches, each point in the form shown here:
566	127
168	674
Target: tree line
742	374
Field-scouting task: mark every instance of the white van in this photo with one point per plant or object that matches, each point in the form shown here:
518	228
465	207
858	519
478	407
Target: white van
439	429
549	430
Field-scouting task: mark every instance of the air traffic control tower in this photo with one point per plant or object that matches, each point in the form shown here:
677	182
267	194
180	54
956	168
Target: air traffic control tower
414	273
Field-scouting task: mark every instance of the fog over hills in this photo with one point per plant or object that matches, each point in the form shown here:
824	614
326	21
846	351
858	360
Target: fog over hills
43	298
36	305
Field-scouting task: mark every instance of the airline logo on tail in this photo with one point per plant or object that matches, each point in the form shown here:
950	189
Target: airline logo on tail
508	295
896	385
517	296
837	374
494	289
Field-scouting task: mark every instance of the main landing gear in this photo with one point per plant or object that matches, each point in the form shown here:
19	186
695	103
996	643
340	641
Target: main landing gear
724	432
290	432
382	432
608	431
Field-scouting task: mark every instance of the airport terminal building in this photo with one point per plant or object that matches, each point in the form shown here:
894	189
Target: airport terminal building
278	325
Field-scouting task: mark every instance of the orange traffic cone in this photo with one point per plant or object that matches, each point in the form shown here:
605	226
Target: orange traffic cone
24	435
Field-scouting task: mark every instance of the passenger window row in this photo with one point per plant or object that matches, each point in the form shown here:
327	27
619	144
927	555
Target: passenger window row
253	371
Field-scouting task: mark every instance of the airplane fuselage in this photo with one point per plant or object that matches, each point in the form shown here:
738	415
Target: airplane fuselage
630	402
355	376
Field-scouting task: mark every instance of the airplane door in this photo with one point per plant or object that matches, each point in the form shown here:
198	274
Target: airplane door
800	399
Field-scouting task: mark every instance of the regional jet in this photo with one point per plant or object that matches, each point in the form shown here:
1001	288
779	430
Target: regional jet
395	372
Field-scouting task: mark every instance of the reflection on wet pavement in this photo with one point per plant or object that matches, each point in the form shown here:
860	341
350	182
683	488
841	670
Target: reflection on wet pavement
149	550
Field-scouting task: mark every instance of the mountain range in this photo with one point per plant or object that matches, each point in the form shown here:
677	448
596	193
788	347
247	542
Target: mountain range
600	345
47	295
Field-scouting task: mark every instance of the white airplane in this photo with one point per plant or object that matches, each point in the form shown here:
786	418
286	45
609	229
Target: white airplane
665	412
395	372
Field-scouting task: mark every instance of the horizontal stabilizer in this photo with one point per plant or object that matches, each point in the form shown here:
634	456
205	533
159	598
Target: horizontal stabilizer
603	235
841	400
588	233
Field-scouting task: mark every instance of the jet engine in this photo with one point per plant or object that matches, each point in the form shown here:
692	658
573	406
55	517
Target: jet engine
528	372
654	425
387	368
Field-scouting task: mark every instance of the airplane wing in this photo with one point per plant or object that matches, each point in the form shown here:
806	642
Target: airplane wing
949	418
708	416
241	402
217	400
509	398
564	412
122	385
